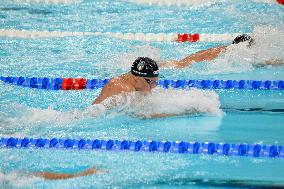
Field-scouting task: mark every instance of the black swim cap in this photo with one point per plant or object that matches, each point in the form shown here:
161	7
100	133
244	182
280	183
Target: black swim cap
241	38
145	67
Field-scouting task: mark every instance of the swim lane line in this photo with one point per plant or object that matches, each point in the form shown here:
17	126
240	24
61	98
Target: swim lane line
48	2
81	83
181	147
159	37
194	3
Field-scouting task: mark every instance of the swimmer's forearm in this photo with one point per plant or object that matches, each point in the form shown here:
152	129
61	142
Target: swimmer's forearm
203	55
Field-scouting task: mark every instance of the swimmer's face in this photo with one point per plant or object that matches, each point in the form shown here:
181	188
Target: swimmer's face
146	84
151	81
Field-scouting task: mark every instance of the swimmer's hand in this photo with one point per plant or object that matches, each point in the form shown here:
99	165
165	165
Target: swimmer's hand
58	176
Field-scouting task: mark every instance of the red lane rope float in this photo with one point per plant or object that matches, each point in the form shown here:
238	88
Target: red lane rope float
280	2
73	83
188	37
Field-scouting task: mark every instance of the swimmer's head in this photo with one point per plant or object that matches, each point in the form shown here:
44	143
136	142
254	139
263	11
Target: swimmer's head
145	67
243	38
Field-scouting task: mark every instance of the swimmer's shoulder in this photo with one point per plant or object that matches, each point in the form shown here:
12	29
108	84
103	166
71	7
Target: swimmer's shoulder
117	80
120	83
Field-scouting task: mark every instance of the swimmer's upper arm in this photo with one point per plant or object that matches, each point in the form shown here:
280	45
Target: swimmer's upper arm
113	87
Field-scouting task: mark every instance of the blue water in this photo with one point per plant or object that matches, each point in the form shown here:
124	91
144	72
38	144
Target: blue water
248	116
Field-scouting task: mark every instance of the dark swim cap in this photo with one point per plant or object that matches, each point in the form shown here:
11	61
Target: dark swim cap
241	38
145	67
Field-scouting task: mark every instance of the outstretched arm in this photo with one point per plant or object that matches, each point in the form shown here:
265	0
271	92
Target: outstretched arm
204	55
57	176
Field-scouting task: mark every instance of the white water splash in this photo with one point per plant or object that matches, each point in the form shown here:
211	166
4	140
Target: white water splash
167	101
269	45
27	115
16	180
160	101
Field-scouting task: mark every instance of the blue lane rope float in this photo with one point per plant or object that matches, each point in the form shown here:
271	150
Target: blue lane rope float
80	83
181	147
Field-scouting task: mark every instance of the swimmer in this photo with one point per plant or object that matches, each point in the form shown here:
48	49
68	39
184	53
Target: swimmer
142	78
58	176
210	54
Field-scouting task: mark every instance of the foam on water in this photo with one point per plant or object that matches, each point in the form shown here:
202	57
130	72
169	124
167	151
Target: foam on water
160	101
269	45
22	114
167	101
16	179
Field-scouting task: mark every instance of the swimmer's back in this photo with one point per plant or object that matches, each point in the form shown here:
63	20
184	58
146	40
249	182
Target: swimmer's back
115	86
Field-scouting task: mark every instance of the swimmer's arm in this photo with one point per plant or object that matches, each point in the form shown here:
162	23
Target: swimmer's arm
158	115
204	55
274	62
110	89
162	115
57	176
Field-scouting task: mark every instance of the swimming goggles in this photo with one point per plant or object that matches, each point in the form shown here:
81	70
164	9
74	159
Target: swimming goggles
150	81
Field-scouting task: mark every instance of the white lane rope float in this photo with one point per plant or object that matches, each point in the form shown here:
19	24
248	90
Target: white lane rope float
48	2
167	37
193	3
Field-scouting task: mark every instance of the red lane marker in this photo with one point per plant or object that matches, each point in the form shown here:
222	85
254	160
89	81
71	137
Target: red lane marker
280	2
78	84
67	83
182	37
188	37
73	83
193	37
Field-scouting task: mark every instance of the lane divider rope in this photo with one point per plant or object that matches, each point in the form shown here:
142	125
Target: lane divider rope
182	147
193	3
47	1
169	37
81	83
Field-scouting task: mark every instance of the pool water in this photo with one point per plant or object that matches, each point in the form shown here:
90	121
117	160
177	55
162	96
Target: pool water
235	116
